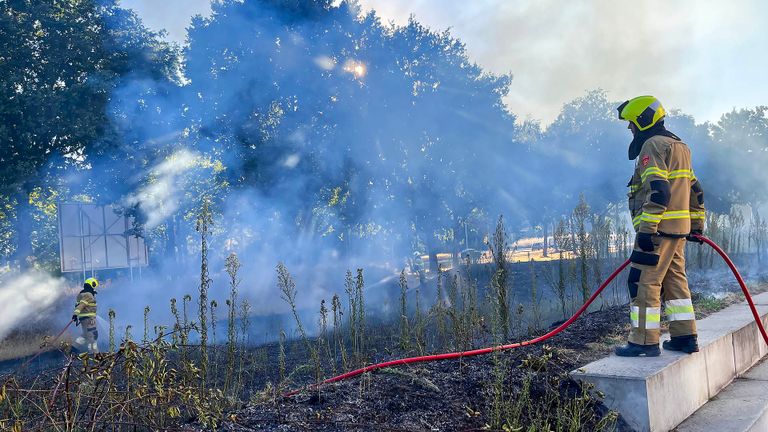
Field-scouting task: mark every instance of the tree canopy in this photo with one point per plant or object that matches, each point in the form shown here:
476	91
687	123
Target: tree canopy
303	119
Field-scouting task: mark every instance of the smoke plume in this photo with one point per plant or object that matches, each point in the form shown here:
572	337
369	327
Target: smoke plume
26	297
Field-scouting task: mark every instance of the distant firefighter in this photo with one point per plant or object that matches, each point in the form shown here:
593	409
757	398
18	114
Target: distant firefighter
667	205
85	315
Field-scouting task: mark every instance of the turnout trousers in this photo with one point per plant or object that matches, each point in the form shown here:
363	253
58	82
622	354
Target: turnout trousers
651	285
90	334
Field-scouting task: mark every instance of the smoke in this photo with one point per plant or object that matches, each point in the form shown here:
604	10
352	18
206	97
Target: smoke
159	197
701	59
334	144
26	297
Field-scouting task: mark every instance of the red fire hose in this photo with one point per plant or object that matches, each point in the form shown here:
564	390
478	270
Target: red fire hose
455	355
737	275
560	328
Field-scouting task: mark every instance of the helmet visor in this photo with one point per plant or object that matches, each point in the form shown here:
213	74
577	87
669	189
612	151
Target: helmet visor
621	108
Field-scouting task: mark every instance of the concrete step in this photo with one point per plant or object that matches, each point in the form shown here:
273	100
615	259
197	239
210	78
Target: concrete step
740	407
657	394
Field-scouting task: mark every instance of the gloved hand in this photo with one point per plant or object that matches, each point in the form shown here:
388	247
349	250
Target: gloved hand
690	237
77	321
645	242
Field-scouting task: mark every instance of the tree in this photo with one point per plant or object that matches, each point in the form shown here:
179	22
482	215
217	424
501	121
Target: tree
583	244
350	128
738	156
60	63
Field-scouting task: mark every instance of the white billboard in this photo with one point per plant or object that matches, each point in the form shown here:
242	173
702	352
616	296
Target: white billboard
95	237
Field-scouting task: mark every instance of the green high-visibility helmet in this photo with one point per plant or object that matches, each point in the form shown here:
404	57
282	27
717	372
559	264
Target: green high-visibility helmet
92	282
643	111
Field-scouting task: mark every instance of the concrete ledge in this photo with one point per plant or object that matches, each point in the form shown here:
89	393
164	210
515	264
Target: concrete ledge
657	394
741	407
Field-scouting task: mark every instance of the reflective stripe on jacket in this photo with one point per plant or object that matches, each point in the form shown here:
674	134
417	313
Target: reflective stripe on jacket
664	193
86	305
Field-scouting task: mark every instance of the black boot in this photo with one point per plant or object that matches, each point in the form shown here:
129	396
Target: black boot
687	344
635	350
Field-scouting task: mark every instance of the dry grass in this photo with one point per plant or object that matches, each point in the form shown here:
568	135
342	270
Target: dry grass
706	305
23	344
140	386
159	384
29	339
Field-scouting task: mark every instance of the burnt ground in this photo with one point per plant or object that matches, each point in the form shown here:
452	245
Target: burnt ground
445	396
455	395
449	395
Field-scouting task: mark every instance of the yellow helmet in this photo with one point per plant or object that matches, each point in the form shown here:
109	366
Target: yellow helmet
92	282
643	111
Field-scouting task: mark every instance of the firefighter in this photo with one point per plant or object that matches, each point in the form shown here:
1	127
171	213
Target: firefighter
666	202
85	315
417	265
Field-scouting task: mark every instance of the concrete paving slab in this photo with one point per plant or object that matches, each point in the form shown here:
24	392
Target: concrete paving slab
761	425
731	318
746	390
740	407
760	299
759	372
709	335
724	416
630	368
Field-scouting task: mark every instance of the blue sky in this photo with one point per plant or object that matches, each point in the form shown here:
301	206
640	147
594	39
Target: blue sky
704	57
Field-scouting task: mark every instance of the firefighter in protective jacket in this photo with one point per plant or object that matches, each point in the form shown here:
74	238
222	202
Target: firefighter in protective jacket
85	315
666	202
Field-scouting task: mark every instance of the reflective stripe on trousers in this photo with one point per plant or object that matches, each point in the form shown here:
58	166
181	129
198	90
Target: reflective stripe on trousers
645	283
679	310
652	317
